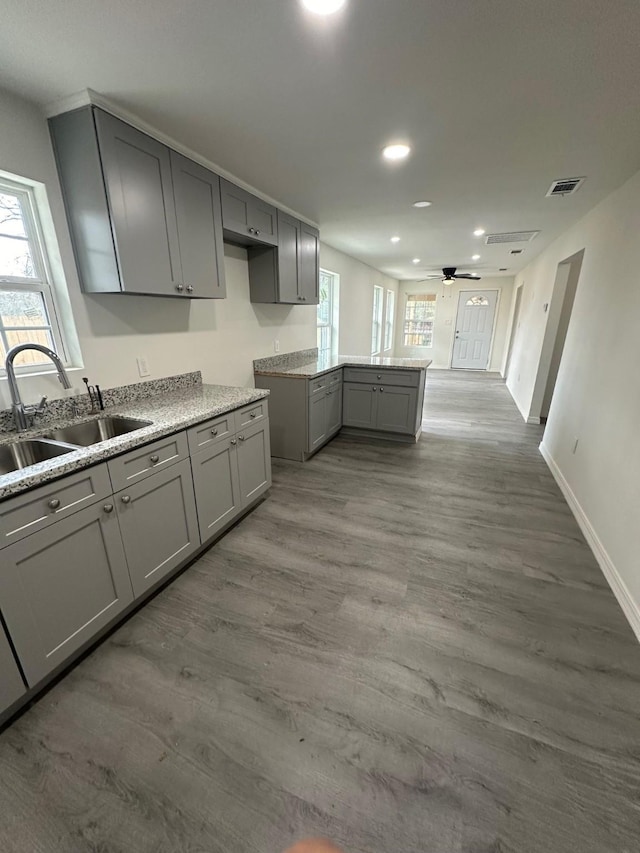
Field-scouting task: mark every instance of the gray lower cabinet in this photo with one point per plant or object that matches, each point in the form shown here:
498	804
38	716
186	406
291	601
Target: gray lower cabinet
254	462
60	586
333	410
317	428
158	523
247	219
143	219
12	687
217	486
392	404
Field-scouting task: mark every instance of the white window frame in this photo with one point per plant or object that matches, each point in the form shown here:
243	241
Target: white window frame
376	320
41	283
332	324
418	297
389	320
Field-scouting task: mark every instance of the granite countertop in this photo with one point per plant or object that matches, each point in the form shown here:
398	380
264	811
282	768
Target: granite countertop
169	412
306	364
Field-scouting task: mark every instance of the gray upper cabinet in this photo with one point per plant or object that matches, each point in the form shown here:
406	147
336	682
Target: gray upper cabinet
309	284
137	175
247	219
60	586
12	686
197	198
141	220
290	272
158	523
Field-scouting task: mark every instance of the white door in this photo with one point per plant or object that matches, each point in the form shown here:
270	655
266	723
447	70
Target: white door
474	327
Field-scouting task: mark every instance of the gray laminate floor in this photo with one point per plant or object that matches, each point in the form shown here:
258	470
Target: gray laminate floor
409	649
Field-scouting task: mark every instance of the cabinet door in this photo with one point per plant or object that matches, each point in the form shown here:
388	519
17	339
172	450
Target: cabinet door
254	462
252	219
309	286
288	259
11	683
137	174
397	409
334	409
60	586
217	486
199	215
317	425
159	524
359	405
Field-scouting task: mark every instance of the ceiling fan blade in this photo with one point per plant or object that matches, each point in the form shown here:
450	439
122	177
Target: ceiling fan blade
467	275
430	278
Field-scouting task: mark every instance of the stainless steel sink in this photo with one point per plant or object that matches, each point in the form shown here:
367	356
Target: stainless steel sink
92	432
21	454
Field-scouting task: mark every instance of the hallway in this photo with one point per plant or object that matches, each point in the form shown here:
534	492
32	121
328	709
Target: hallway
405	648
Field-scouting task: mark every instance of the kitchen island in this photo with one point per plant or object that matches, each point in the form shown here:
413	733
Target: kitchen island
313	398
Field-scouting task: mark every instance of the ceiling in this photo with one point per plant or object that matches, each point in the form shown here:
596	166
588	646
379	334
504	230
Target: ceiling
497	99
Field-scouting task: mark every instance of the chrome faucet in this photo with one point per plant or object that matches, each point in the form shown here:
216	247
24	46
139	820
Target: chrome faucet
22	413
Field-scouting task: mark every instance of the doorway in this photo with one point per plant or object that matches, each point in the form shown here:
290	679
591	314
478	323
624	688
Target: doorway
474	329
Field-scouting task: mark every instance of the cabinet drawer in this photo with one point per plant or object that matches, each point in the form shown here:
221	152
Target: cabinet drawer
383	376
210	432
334	378
251	414
144	461
40	507
324	382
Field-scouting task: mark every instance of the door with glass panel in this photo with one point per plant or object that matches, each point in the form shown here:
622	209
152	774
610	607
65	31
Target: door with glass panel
474	329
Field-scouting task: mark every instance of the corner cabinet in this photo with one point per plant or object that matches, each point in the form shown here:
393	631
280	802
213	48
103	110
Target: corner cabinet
143	219
383	400
290	272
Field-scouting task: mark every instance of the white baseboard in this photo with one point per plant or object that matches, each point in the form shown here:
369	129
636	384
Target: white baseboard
630	608
533	420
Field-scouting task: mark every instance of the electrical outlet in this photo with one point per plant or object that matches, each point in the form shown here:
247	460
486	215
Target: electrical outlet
143	365
575	445
276	346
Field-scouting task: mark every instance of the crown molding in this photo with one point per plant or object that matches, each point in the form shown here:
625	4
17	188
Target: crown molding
89	97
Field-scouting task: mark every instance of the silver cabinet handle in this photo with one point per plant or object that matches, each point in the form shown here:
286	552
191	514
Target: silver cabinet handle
381	390
257	231
154	459
379	376
252	414
252	230
374	388
233	441
179	287
214	432
189	288
54	503
126	499
108	507
241	437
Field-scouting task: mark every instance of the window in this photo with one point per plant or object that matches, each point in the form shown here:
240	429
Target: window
390	317
27	308
418	320
376	326
328	314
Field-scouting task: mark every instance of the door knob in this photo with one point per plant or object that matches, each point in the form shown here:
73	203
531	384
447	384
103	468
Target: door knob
108	507
154	459
54	503
126	499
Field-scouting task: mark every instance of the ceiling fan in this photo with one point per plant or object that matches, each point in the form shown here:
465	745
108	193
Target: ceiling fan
449	276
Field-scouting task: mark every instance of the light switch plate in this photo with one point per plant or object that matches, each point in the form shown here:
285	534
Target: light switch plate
143	365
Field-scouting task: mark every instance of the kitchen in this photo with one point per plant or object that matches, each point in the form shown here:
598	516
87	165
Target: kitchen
244	584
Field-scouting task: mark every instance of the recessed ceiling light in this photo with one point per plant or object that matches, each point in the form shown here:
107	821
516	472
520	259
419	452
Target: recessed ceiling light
422	203
395	239
415	261
396	152
323	7
475	257
479	232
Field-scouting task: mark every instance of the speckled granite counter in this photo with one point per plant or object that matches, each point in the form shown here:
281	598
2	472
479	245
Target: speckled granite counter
306	364
169	412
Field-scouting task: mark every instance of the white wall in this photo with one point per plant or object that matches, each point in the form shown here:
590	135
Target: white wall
357	281
219	337
597	396
446	309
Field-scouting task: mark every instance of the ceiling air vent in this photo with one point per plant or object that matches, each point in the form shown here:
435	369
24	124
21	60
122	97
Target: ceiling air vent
511	237
565	186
